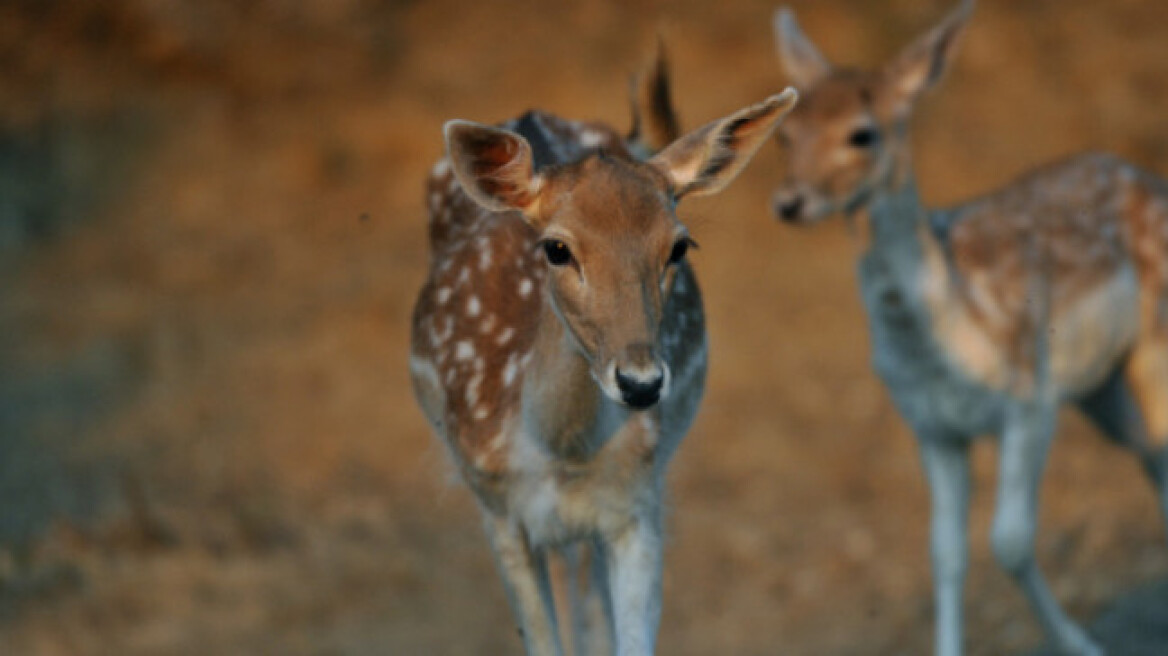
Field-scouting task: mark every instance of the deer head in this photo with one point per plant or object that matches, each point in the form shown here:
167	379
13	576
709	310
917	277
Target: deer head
608	231
849	133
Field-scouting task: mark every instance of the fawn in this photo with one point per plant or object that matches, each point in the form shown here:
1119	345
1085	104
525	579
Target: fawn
559	344
986	317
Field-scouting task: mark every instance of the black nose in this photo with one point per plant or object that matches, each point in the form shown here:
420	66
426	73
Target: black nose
790	209
637	393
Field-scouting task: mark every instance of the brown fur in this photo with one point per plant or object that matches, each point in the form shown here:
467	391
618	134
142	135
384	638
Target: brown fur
987	316
559	343
1089	234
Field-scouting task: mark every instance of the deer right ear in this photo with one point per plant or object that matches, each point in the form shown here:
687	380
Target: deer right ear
494	166
800	58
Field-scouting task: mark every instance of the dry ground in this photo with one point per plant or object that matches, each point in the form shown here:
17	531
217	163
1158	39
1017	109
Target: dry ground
211	231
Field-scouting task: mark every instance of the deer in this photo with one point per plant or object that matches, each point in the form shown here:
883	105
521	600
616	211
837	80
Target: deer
558	345
985	318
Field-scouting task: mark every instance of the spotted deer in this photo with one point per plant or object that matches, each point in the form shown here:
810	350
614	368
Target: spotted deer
987	316
559	344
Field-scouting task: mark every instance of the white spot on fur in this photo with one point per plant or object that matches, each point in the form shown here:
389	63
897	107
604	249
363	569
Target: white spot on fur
443	295
591	138
441	168
505	336
525	287
510	371
472	390
463	276
488	323
439	337
497	442
480	461
473	306
482	412
463	351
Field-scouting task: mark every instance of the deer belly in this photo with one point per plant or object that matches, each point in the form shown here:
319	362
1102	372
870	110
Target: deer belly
1090	336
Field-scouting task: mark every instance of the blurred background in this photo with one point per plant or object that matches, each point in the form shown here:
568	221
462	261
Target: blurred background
211	234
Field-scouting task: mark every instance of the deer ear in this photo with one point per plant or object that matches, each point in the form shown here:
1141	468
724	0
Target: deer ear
494	166
802	61
921	65
655	123
707	159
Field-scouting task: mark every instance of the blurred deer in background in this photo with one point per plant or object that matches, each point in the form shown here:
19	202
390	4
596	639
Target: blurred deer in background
559	343
987	316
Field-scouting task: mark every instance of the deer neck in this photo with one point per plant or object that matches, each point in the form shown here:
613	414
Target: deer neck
901	238
563	407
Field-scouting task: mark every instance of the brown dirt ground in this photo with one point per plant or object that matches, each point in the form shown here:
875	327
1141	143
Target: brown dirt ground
211	233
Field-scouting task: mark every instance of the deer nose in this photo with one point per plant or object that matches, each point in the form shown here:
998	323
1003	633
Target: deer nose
789	209
640	389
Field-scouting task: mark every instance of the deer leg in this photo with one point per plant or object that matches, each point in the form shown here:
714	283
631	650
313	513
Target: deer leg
591	608
946	463
596	616
1024	446
525	576
1146	375
634	560
1115	409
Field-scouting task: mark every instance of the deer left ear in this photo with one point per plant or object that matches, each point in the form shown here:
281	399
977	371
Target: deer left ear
707	159
494	166
802	61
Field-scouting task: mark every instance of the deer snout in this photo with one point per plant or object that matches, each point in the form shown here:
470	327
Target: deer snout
788	205
641	378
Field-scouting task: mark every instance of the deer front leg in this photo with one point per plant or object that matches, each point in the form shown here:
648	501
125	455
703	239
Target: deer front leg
593	615
1024	446
525	576
946	462
633	557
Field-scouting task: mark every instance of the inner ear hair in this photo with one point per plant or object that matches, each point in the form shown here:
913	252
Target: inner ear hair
923	63
706	160
493	165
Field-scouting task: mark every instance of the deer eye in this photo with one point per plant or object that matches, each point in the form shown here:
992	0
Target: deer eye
680	249
557	252
863	137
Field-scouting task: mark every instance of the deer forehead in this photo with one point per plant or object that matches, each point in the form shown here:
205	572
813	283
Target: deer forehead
841	97
611	200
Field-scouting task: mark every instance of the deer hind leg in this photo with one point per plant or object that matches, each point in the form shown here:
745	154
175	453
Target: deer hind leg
1114	408
946	463
1024	446
1146	375
525	575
